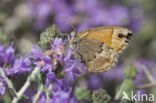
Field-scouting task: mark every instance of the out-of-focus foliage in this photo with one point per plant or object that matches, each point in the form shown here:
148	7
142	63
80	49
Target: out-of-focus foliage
49	35
82	93
128	84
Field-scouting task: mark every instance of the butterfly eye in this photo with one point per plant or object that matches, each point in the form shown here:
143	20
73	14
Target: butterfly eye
120	35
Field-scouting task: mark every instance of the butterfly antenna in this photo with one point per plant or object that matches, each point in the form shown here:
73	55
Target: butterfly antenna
73	34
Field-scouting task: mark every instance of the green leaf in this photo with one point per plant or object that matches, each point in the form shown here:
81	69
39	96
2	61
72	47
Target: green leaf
49	36
128	86
130	72
82	93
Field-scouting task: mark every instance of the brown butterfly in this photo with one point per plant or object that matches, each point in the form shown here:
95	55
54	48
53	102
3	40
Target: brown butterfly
99	47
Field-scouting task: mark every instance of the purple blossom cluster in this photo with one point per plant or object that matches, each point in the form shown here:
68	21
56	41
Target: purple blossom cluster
84	14
11	65
61	92
7	55
54	59
57	63
57	58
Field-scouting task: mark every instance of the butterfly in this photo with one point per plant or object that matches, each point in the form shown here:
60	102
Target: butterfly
99	47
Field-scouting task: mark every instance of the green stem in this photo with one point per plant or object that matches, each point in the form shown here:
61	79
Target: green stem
9	83
36	98
148	74
26	85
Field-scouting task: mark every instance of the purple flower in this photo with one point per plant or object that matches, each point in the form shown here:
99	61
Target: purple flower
82	14
72	67
57	55
58	48
20	66
51	76
7	55
36	53
10	63
2	86
61	84
44	99
115	73
46	64
61	91
105	16
72	71
40	11
87	6
95	82
41	59
61	96
57	43
26	62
